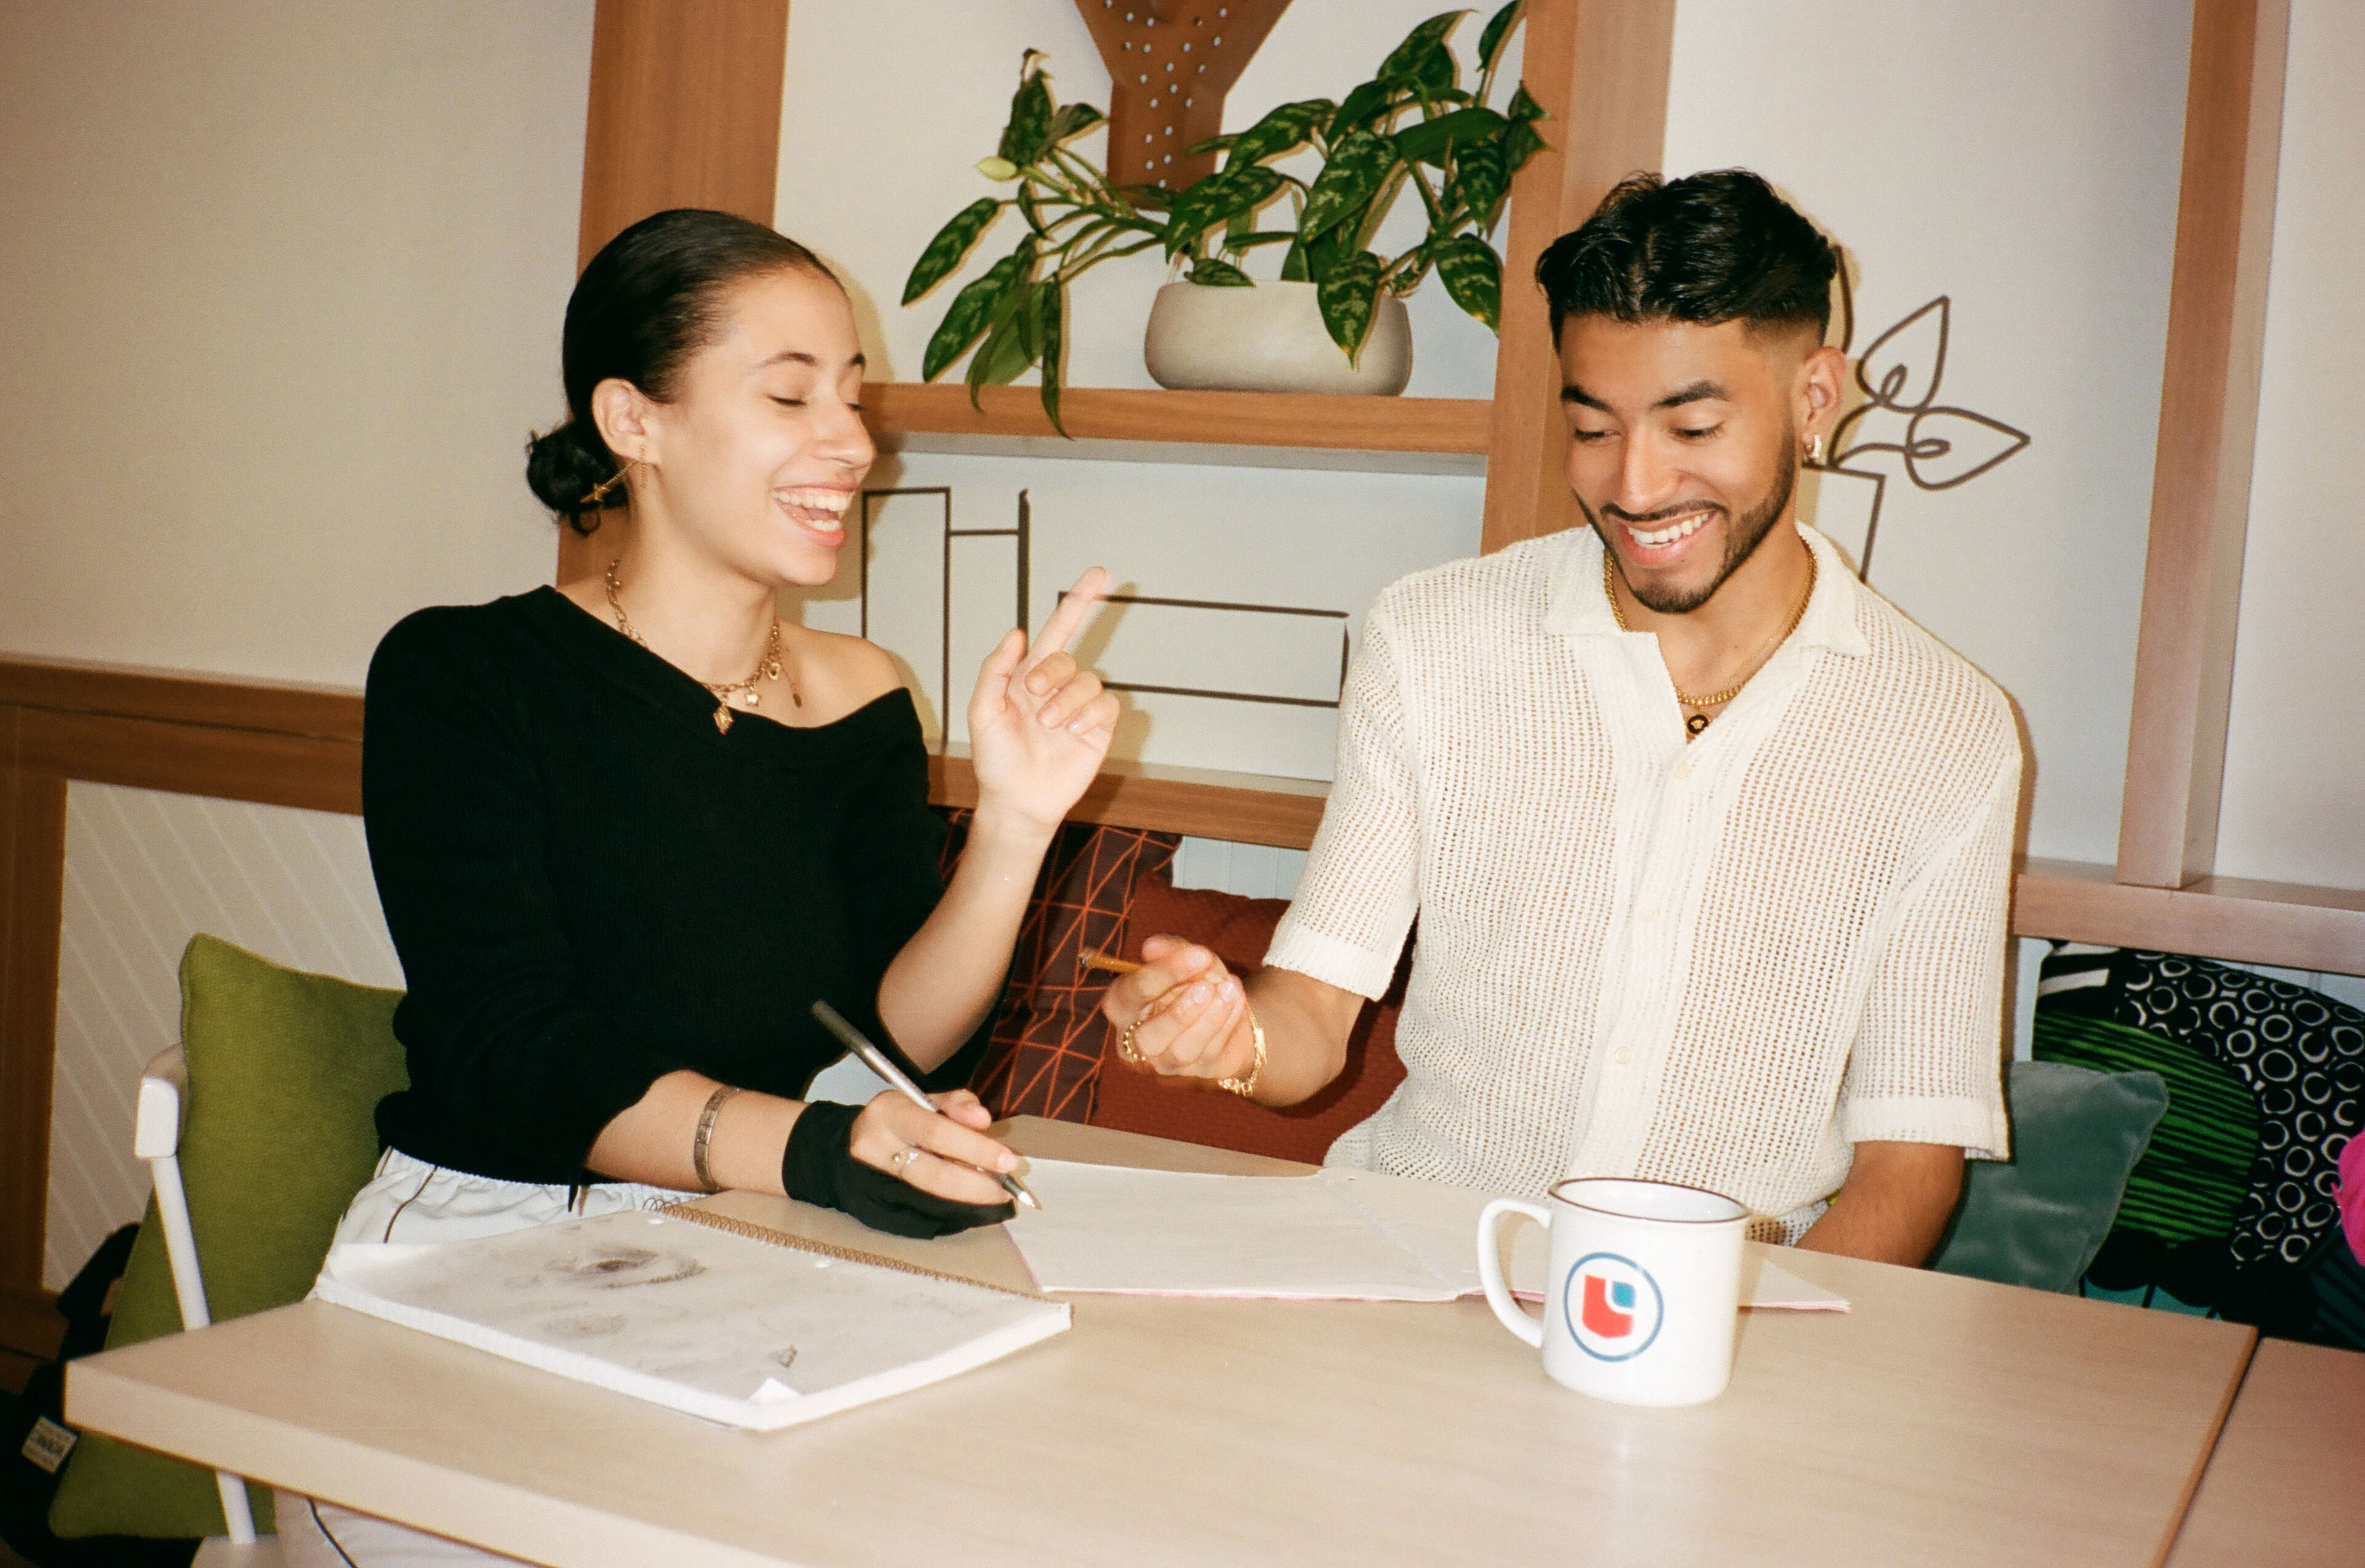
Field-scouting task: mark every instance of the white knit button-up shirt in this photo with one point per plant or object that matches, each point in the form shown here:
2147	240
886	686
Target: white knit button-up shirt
1721	962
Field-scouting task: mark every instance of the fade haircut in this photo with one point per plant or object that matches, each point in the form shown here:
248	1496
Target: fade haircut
1706	249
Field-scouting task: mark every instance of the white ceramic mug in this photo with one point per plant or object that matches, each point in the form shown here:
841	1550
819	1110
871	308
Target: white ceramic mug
1643	1291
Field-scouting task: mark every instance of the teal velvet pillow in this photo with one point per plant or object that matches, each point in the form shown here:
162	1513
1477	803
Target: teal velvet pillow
2039	1219
286	1071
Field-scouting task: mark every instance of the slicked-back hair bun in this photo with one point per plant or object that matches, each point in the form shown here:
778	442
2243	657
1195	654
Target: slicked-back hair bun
652	297
1707	249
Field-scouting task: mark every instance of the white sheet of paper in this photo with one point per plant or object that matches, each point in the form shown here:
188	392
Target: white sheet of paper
1338	1234
736	1331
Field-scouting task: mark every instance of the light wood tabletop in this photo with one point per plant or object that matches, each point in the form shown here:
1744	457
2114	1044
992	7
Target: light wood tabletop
1943	1420
2286	1485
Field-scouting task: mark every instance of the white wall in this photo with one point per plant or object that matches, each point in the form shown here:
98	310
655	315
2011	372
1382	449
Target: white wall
2020	158
284	286
2294	804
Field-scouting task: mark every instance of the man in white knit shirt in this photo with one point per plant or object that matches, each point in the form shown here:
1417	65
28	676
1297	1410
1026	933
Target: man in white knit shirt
1710	845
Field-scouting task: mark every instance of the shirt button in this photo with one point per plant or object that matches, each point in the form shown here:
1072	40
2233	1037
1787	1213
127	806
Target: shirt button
1684	768
1624	1056
1653	912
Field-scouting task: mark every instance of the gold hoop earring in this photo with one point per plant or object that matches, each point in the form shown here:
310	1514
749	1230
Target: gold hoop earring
598	494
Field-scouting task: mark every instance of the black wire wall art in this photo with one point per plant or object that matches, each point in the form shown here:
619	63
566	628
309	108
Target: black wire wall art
1022	532
1938	446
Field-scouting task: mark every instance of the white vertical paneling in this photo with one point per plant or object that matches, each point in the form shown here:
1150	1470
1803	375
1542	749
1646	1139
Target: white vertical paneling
144	872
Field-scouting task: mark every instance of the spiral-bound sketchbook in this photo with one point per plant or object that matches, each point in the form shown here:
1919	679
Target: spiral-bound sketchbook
699	1312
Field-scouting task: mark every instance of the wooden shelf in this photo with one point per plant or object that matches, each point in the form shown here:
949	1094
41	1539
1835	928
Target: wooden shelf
1246	807
2287	925
1254	430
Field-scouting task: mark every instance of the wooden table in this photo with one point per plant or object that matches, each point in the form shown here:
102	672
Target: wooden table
2286	1485
1944	1420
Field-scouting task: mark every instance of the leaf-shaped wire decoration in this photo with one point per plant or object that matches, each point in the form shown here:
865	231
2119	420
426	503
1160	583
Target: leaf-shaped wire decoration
1902	369
1937	434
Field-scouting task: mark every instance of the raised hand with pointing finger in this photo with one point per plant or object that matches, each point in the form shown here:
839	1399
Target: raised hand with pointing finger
1039	723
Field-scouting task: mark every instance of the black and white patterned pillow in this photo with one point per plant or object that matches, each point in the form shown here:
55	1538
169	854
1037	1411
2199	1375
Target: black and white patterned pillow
2302	1053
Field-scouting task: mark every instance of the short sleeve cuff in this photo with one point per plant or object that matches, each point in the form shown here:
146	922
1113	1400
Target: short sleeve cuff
1979	1130
1311	953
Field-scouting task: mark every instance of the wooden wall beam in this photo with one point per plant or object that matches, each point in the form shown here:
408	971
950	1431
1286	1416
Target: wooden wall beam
32	905
2208	420
684	111
1599	67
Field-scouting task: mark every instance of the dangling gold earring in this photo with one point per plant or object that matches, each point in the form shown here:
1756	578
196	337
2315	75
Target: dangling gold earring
598	494
1814	452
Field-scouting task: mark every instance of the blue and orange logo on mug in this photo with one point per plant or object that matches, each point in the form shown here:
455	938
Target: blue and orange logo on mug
1612	1305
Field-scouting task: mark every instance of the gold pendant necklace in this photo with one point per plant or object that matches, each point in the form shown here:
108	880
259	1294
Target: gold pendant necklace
1698	720
767	668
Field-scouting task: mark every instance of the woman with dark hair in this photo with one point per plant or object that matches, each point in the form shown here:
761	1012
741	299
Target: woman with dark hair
626	831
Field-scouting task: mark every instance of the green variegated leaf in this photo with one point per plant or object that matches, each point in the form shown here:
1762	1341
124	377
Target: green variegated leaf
1051	333
1250	240
951	244
1358	167
1479	181
1282	131
1073	119
1216	199
1008	349
1330	250
1213	144
1294	262
1427	141
1498	33
1349	297
1472	275
1520	144
971	312
1414	59
1524	107
1030	130
1366	105
1407	279
1217	274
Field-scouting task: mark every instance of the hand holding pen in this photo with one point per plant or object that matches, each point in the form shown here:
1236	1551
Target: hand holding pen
948	1152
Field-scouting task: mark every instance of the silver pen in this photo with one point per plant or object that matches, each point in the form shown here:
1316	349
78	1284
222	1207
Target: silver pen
878	1061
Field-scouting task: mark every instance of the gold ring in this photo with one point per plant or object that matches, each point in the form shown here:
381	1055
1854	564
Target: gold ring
1125	1045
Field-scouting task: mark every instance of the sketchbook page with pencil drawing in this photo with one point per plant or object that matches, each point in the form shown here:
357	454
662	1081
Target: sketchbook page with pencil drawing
1336	1234
702	1317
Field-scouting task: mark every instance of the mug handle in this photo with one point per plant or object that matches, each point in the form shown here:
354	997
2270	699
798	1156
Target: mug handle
1490	1265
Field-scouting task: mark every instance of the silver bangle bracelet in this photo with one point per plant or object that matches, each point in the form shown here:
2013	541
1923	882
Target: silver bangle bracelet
706	1133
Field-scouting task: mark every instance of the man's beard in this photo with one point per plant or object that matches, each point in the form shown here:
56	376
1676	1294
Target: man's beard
1747	533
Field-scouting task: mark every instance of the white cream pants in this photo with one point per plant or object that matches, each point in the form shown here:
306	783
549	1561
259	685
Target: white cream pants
411	1201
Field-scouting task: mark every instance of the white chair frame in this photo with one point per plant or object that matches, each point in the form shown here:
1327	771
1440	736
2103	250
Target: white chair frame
156	1138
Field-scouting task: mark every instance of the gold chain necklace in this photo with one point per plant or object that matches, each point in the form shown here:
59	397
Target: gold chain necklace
767	668
1697	721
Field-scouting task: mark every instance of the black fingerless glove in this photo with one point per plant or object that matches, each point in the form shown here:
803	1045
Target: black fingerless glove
819	1167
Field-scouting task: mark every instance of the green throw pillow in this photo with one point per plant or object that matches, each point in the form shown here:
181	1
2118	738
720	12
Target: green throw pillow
2039	1219
2189	1184
285	1070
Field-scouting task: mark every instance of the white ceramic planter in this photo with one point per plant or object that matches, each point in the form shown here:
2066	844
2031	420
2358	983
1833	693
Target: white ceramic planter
1269	338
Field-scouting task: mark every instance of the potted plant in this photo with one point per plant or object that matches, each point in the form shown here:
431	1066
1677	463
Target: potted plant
1411	126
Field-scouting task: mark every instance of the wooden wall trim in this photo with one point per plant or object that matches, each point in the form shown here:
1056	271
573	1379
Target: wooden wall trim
2208	420
129	691
1600	68
196	759
32	905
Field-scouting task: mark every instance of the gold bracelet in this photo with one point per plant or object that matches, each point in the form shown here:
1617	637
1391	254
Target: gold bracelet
705	1135
1245	1087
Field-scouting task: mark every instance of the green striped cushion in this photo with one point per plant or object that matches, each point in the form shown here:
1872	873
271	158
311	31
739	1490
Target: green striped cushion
2192	1178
